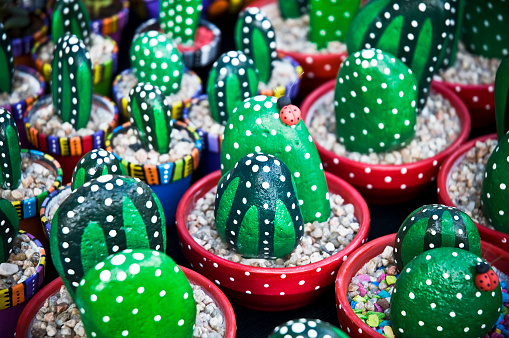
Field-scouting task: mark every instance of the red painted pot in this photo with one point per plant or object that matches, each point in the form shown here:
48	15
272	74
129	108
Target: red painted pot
384	184
495	237
349	321
268	289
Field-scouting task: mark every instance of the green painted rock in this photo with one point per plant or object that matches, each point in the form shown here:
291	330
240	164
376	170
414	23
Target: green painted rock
10	157
71	17
291	9
257	210
458	13
255	36
232	79
6	62
307	328
136	293
330	20
71	81
150	114
436	296
415	32
434	226
156	59
94	164
179	19
485	28
502	98
375	102
255	126
9	227
109	214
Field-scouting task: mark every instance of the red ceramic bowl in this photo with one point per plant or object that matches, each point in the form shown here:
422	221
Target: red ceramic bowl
348	320
497	238
384	184
26	318
268	289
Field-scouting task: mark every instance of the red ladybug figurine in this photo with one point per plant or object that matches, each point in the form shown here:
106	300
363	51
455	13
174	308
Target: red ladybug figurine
289	114
486	279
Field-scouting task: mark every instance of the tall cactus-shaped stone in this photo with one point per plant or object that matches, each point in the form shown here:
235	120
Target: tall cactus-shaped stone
156	59
136	293
416	32
485	28
109	214
375	102
255	36
150	114
71	81
291	9
233	78
71	17
10	156
257	209
256	126
449	57
502	98
330	20
9	227
179	19
6	62
94	164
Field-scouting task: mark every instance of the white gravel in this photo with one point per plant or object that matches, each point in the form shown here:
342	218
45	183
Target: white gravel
55	202
25	85
200	117
283	74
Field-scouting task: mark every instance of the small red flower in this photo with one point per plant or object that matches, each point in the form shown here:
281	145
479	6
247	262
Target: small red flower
486	279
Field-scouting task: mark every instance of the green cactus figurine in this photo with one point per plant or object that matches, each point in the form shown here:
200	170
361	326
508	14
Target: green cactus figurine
267	222
307	328
71	81
9	227
416	33
434	226
71	17
150	114
375	102
96	163
449	57
436	296
330	20
291	9
136	293
110	214
6	62
179	19
10	156
255	126
233	78
156	60
485	28
255	36
502	98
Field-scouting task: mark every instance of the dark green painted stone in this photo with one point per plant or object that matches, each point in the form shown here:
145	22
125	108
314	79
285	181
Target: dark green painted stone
9	227
96	163
179	19
257	209
10	156
71	17
291	9
307	328
433	226
502	98
6	62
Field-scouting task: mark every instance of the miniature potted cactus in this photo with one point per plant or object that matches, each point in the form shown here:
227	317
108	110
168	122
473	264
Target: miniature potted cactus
71	17
80	121
165	152
154	58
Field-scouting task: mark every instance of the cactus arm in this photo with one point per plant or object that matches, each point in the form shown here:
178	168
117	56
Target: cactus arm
180	18
10	158
6	62
502	98
291	9
255	36
71	17
449	55
330	20
94	164
9	227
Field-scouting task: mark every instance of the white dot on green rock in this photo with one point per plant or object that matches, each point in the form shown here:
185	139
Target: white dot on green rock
106	319
181	322
119	299
105	275
121	276
403	313
433	305
157	318
479	312
459	295
135	311
140	290
158	273
125	333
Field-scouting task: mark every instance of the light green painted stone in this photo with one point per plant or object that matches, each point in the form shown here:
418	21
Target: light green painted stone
179	19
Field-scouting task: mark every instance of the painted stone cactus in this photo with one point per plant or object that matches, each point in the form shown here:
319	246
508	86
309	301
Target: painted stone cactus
71	81
436	296
6	62
375	102
257	209
156	59
150	114
9	227
10	156
179	19
136	293
502	98
307	328
291	9
109	214
414	32
256	126
434	226
94	164
255	36
233	78
71	17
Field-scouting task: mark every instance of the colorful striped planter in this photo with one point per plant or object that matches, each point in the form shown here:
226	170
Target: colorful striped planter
22	47
46	206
